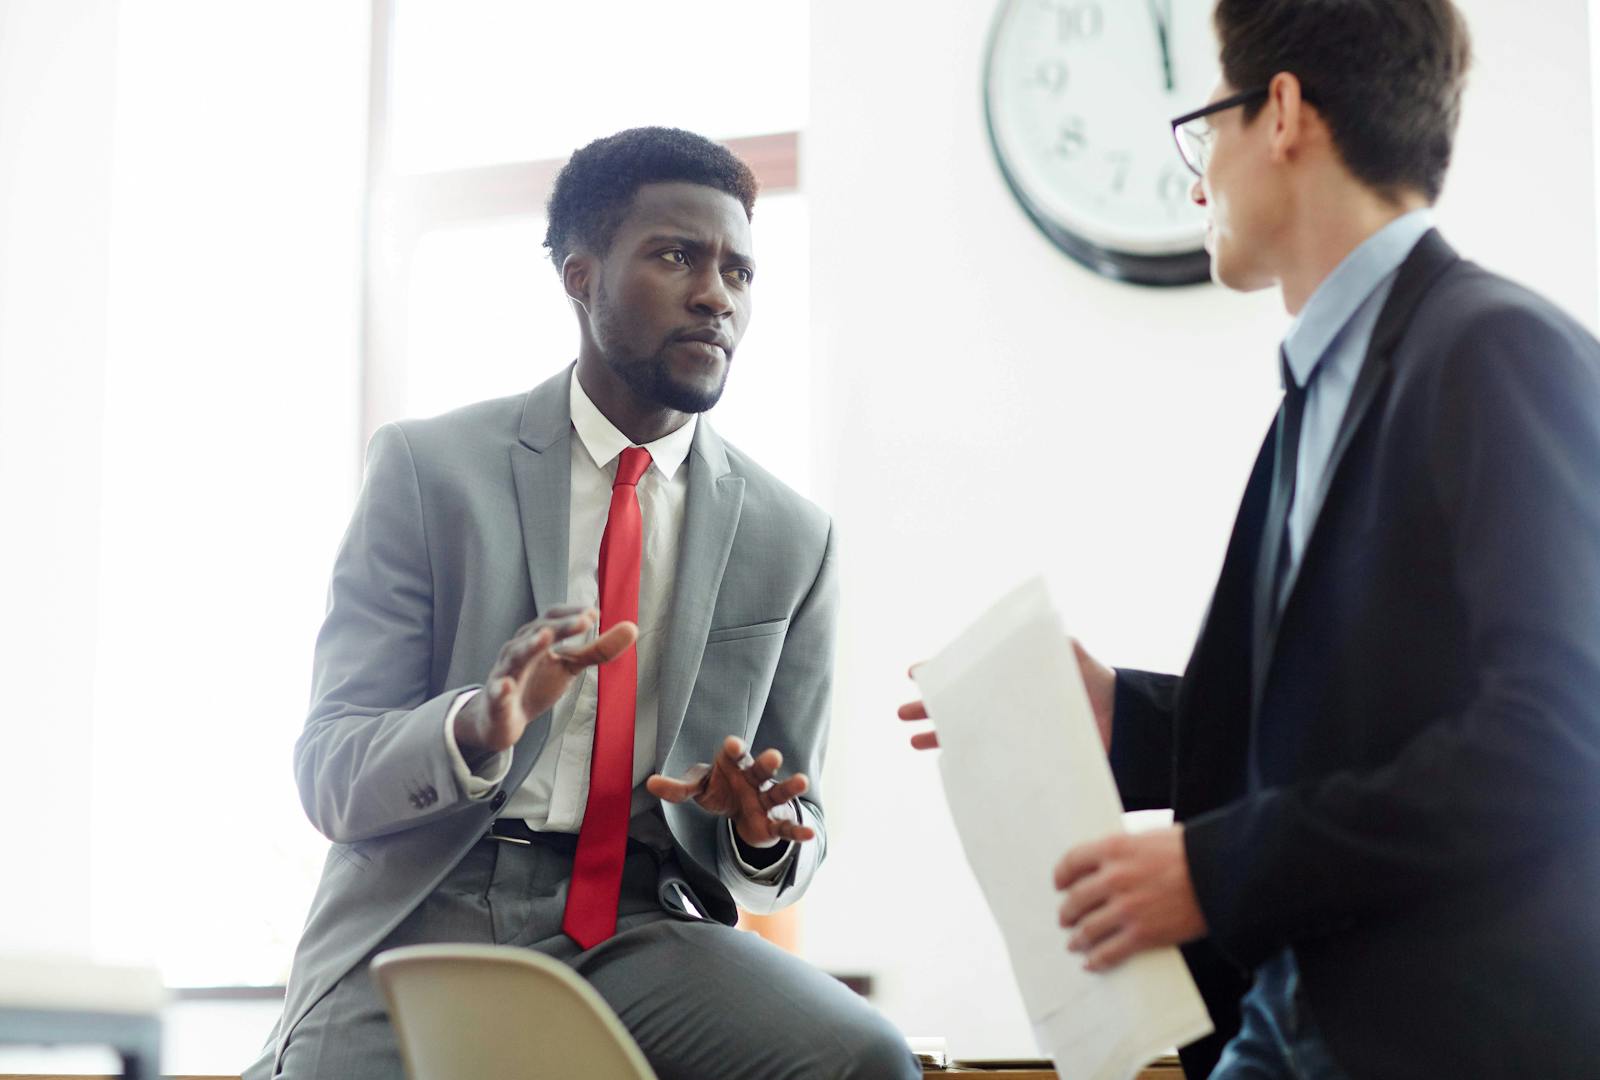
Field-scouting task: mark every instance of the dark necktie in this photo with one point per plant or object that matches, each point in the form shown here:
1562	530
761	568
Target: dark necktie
1274	558
591	912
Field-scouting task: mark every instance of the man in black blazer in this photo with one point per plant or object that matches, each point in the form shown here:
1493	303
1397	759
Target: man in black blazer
1384	755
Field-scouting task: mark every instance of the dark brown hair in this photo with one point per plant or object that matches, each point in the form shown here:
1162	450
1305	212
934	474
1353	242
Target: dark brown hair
1386	76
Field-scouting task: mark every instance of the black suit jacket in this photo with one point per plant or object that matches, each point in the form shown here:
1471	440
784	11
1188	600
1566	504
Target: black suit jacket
1426	837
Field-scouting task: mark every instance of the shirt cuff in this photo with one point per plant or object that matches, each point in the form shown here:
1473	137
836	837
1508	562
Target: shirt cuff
767	875
480	784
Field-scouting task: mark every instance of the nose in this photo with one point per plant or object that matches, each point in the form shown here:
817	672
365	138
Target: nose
1197	194
711	296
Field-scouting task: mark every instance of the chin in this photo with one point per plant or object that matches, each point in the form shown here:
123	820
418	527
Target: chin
1233	274
693	392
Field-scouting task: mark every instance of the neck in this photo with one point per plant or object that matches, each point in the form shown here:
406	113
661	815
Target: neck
641	420
1342	220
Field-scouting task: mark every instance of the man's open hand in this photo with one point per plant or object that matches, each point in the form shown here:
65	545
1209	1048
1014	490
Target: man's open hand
1128	893
531	673
742	788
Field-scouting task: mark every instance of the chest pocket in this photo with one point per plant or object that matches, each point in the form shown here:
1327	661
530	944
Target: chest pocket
735	677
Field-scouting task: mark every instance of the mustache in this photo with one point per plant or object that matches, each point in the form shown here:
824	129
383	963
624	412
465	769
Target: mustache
707	334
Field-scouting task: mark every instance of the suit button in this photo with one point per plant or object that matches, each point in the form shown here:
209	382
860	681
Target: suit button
499	800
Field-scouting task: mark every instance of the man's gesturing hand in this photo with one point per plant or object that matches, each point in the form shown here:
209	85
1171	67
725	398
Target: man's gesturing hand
1099	680
1128	893
531	674
740	788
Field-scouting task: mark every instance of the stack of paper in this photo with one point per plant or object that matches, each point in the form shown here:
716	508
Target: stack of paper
1027	779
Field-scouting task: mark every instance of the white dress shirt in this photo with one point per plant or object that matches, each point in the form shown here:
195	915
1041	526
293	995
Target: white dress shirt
554	796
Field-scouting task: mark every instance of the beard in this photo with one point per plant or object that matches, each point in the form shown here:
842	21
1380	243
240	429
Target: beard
650	375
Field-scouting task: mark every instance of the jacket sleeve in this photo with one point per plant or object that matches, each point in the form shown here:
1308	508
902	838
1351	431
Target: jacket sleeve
1510	426
795	721
1142	738
372	758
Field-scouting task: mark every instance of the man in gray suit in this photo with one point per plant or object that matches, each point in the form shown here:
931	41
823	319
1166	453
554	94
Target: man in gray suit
487	770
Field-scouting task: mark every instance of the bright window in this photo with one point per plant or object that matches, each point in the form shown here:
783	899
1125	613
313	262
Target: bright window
254	341
479	82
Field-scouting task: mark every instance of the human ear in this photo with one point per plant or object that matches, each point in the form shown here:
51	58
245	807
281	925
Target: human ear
577	274
1286	106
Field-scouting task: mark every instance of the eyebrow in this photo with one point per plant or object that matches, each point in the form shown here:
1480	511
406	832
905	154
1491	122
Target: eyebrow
697	246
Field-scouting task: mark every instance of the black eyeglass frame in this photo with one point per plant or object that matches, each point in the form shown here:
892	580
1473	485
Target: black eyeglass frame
1224	105
1221	106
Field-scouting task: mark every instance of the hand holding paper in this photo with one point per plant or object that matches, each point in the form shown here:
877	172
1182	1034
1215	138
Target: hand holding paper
1099	680
1124	894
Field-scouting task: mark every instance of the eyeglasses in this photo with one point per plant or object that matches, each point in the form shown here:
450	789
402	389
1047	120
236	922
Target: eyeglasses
1194	134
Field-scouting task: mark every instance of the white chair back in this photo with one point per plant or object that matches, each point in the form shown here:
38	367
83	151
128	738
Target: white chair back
497	1012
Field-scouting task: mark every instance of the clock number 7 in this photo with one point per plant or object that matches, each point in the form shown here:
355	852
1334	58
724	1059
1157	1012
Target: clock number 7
1121	164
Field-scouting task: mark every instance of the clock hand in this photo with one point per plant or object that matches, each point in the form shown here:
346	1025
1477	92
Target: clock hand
1161	12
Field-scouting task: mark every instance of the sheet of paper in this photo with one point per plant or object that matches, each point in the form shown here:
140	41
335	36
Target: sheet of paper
1027	779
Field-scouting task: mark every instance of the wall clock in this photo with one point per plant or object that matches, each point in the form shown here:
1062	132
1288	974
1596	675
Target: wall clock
1078	99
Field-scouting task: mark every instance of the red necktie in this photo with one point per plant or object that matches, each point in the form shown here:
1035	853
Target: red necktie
591	914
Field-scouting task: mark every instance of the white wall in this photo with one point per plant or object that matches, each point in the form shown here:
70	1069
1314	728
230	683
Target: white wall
1521	194
985	409
56	95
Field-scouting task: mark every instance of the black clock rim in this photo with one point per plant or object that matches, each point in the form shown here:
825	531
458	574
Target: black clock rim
1163	271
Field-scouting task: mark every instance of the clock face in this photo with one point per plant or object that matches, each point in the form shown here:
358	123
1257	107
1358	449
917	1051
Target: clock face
1079	96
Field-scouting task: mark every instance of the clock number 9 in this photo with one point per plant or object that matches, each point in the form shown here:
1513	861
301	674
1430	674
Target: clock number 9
1081	21
1050	76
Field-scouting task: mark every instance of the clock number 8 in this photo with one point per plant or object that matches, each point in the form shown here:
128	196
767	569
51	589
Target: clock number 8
1071	139
1081	21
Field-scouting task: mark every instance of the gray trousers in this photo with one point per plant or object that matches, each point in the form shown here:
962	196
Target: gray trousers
703	1001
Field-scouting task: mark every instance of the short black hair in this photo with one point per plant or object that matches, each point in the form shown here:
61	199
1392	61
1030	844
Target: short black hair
595	188
1386	75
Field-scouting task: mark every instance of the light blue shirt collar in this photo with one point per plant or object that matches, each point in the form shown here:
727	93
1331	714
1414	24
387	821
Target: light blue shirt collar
1342	292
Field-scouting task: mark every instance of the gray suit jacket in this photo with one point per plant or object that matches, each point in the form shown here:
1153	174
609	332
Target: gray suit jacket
459	537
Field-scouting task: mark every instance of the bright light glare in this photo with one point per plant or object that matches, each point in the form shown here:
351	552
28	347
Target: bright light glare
478	82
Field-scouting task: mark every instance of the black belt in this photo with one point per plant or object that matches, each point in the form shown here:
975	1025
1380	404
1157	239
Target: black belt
510	830
515	831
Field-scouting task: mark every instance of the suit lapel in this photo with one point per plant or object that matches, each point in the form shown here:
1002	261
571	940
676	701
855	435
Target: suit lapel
711	517
541	467
1430	258
541	464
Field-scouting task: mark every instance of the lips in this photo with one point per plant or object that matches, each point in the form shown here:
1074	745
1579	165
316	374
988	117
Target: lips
707	337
